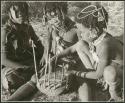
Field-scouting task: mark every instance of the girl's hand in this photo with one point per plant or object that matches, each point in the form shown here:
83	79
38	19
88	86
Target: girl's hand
70	72
53	58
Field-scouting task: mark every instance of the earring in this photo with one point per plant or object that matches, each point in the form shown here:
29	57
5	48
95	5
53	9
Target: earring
97	29
100	17
93	33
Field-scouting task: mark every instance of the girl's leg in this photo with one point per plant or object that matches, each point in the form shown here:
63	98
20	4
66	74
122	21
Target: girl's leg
112	79
84	92
24	91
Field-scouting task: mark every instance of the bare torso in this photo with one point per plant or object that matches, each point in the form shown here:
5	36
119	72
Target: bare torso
115	48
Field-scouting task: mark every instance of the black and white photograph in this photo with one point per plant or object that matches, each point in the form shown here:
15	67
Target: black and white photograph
62	51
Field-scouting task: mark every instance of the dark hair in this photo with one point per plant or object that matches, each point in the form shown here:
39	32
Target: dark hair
53	6
60	8
23	6
68	23
92	22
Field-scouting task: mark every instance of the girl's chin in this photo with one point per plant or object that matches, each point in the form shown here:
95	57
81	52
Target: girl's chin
20	21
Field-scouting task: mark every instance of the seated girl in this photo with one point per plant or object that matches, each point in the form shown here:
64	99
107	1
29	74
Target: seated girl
98	51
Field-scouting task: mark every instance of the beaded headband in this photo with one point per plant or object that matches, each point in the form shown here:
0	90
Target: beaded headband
90	10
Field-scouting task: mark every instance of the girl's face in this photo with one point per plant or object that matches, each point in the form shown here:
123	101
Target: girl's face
53	18
87	34
17	14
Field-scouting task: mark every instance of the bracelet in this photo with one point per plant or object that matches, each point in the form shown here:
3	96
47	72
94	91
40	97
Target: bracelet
78	74
84	74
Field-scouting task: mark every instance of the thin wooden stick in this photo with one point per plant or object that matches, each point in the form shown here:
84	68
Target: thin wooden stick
55	73
46	68
49	70
67	77
41	71
35	62
62	73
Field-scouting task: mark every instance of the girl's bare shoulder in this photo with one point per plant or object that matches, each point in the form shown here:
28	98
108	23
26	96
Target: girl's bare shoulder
82	43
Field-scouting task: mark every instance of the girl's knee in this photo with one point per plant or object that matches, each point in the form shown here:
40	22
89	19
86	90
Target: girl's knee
112	79
33	79
84	92
110	74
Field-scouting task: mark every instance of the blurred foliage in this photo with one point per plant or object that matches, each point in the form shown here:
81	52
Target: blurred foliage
75	7
116	17
35	8
115	10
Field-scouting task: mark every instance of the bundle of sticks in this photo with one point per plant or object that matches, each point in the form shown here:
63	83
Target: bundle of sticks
49	81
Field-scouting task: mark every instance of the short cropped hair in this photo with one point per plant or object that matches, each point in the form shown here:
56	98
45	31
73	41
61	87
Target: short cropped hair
91	21
53	6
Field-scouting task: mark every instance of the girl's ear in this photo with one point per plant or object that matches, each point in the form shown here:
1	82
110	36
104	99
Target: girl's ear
97	29
93	33
100	17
